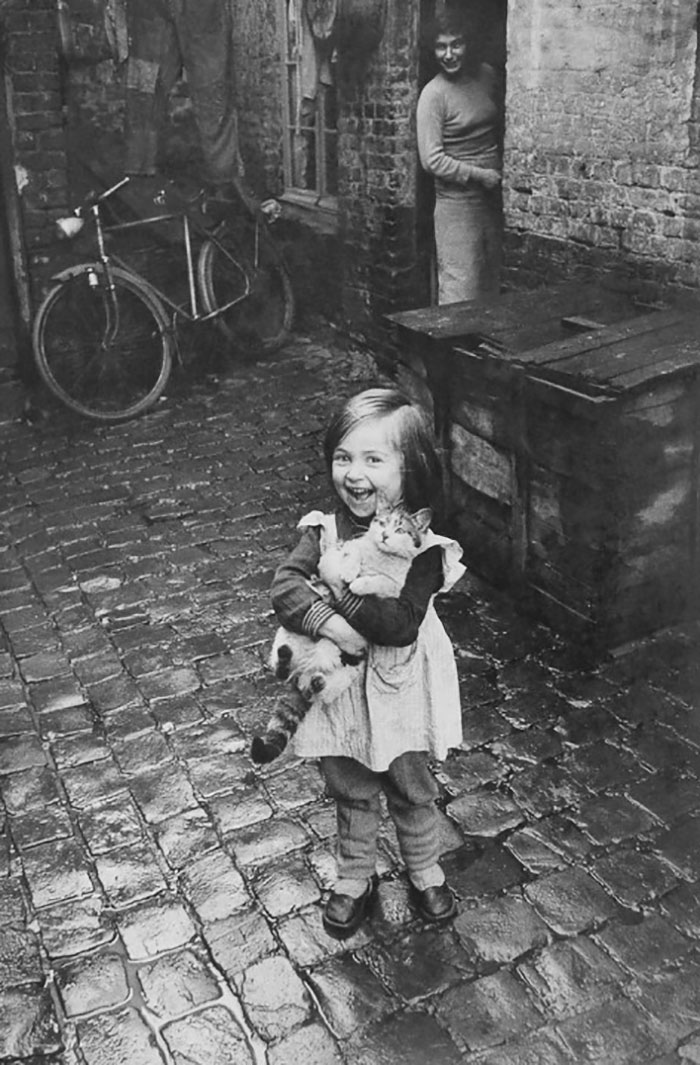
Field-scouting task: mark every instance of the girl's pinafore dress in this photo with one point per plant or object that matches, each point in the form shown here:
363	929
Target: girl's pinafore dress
404	699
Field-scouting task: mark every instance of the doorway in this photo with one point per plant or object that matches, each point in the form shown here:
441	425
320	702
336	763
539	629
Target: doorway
490	18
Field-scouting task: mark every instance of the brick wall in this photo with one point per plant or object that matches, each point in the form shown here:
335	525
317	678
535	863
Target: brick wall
257	72
377	193
602	137
370	265
35	106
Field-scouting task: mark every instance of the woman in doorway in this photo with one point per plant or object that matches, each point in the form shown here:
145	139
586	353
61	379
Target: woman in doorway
458	123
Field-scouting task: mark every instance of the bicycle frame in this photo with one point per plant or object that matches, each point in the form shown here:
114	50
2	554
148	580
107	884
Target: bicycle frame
195	312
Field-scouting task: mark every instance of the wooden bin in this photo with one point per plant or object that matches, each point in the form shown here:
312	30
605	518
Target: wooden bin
571	421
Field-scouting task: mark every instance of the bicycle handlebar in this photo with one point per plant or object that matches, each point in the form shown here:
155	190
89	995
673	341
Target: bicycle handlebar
94	197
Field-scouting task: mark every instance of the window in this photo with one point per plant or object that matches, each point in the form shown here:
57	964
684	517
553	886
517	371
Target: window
311	112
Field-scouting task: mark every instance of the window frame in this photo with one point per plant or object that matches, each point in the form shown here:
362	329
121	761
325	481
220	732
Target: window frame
318	199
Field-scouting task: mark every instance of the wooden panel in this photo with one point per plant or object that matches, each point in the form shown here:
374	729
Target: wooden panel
637	353
590	350
564	585
414	387
643	608
667	562
521	318
482	466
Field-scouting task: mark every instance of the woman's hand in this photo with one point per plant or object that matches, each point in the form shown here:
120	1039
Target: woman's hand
337	629
485	176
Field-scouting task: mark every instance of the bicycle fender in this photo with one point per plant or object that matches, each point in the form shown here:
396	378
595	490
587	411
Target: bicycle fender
98	267
78	268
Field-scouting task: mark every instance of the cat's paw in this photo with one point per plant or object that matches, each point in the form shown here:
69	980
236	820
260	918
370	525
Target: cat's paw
263	751
312	686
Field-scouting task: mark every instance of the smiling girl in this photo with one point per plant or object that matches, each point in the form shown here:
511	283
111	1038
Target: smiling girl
404	707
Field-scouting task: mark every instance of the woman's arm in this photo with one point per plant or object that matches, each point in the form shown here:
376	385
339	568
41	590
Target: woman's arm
395	622
430	122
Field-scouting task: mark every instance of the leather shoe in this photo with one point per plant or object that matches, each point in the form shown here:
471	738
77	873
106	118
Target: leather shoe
436	904
343	915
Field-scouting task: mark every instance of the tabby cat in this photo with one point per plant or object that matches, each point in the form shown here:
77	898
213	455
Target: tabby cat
375	563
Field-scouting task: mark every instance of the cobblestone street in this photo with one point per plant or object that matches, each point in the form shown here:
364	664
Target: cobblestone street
161	896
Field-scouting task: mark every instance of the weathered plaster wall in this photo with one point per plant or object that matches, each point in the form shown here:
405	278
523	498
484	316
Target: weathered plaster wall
601	138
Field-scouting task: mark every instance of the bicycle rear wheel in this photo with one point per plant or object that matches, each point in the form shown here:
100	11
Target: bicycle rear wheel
106	357
243	250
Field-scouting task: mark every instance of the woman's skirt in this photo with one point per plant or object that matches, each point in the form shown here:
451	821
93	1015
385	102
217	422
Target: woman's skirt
468	241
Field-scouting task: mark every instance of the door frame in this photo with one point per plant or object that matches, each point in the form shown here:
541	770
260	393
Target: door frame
12	221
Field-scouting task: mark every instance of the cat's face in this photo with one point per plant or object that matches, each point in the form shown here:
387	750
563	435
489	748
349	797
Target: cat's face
397	532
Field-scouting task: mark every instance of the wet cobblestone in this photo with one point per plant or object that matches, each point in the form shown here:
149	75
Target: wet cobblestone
160	895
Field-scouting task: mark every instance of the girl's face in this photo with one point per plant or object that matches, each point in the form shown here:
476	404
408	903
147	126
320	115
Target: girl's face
366	465
450	52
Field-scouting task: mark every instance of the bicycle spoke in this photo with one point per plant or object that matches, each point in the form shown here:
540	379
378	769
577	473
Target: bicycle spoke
238	252
106	355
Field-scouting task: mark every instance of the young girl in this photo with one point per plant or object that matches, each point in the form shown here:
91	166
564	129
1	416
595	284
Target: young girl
404	706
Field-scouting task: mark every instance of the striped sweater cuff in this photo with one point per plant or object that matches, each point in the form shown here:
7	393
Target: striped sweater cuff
315	616
348	605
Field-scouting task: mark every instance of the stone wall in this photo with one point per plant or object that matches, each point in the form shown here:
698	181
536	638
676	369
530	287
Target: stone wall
602	137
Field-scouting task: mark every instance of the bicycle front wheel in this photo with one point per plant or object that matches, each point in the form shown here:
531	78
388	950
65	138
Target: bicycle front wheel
106	355
242	252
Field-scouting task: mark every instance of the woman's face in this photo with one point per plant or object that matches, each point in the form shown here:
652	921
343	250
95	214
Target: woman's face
450	52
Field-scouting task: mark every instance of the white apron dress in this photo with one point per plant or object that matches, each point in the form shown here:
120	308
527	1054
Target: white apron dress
404	699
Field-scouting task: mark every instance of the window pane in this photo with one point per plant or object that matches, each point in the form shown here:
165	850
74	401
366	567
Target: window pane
304	147
311	126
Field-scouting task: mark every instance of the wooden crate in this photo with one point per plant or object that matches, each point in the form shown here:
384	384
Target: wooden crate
571	422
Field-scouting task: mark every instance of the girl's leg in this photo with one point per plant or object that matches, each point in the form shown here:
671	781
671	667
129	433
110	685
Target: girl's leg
355	789
411	790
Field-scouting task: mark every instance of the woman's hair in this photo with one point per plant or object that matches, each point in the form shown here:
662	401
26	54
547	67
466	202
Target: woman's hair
411	435
452	23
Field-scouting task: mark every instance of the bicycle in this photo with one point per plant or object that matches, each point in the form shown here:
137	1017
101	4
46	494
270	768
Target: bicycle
104	335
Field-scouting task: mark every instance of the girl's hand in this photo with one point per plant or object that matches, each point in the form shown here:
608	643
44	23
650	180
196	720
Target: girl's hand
486	177
337	629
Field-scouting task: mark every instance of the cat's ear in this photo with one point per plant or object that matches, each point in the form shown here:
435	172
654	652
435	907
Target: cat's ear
422	519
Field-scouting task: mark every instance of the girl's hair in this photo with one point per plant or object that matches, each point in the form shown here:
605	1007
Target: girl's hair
411	435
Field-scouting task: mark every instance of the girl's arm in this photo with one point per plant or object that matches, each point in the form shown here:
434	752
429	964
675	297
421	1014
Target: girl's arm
395	622
293	597
301	609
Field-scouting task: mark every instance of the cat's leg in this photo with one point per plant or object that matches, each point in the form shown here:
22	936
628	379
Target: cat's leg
290	711
338	683
281	654
283	666
374	584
